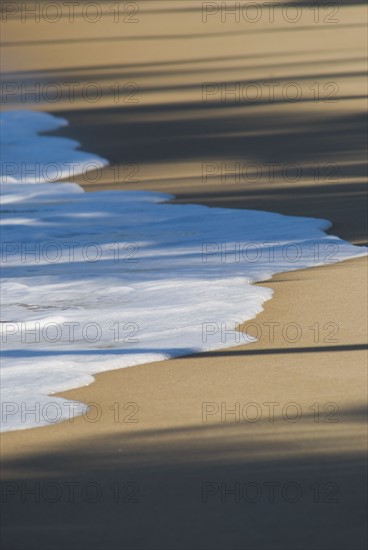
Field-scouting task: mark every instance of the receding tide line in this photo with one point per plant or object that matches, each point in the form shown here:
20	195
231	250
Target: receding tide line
99	281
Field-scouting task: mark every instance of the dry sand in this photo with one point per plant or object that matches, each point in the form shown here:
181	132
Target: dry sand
175	467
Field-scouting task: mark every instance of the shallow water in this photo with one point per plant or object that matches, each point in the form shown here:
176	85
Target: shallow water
97	281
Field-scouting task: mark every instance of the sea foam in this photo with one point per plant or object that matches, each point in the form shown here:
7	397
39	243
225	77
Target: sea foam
99	281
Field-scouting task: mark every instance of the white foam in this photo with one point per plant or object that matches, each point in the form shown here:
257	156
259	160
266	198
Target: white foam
118	279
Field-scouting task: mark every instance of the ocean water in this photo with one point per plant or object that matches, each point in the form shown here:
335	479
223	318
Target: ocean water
98	281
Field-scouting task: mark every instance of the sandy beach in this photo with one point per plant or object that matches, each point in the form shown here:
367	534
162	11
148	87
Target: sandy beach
258	446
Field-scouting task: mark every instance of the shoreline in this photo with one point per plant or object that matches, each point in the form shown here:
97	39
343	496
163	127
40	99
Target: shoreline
280	344
259	347
259	446
152	433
